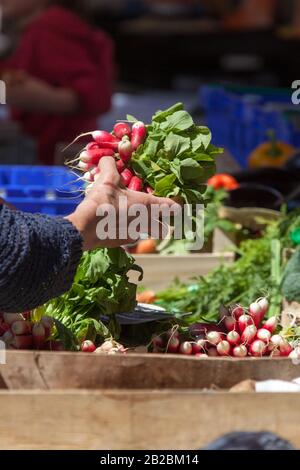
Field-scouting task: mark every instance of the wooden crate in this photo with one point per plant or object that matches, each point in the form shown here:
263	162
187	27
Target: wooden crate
87	401
160	271
140	419
64	370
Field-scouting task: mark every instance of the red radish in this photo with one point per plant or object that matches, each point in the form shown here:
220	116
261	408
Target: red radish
10	318
244	321
48	323
199	346
275	353
158	342
92	146
22	342
212	352
263	335
173	345
148	189
186	348
39	335
136	184
120	165
233	338
285	348
88	346
223	348
93	156
106	140
173	332
85	166
21	328
270	324
214	337
237	312
264	305
249	334
275	342
230	323
255	313
88	177
240	351
139	133
257	348
121	129
127	176
125	150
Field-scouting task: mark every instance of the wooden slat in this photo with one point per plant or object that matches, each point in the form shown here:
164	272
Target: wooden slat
140	419
160	271
46	370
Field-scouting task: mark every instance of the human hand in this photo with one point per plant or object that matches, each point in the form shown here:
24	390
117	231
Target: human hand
109	193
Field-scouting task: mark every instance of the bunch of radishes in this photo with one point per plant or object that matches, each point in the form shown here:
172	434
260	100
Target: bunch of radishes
109	347
18	331
242	333
120	144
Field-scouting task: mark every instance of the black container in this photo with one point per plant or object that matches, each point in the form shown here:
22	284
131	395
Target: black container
255	195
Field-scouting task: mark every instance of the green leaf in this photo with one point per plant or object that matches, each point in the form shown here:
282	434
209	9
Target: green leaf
165	185
131	118
181	121
160	116
190	170
202	139
176	144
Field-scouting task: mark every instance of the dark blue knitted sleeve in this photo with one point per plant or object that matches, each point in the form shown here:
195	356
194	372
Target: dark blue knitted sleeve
39	256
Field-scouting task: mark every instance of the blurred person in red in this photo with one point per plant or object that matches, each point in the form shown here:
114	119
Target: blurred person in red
59	76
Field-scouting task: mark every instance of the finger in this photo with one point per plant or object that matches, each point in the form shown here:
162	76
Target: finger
164	203
108	172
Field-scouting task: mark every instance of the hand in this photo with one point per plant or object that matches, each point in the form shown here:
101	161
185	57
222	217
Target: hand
108	190
33	95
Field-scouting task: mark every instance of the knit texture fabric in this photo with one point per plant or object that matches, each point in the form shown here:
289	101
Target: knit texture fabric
39	256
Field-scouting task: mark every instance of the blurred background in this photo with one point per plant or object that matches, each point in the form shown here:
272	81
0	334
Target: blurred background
73	66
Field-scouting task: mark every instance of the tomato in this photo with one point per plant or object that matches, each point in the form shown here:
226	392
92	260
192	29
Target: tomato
223	181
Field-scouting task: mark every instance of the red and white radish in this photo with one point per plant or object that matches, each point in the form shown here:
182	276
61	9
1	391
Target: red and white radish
121	129
201	355
240	351
249	334
88	346
212	352
39	335
148	189
244	321
92	146
270	324
173	345
22	342
48	323
126	176
158	342
285	348
275	342
223	348
264	335
125	150
264	305
257	348
136	184
199	346
186	348
21	327
233	338
10	318
237	312
94	156
138	136
230	323
255	313
120	165
214	337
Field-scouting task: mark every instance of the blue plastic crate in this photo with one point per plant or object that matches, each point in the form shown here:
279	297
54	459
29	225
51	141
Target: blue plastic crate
47	190
239	117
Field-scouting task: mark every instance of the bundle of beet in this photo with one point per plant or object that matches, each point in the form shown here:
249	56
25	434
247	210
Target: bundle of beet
170	157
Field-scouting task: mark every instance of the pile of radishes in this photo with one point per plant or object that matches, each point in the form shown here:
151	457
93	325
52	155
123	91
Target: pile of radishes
120	144
18	331
109	347
240	334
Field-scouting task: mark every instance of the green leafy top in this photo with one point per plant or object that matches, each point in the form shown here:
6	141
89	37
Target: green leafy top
177	157
101	288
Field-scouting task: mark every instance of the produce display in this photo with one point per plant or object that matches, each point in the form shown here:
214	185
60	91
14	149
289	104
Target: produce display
234	311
